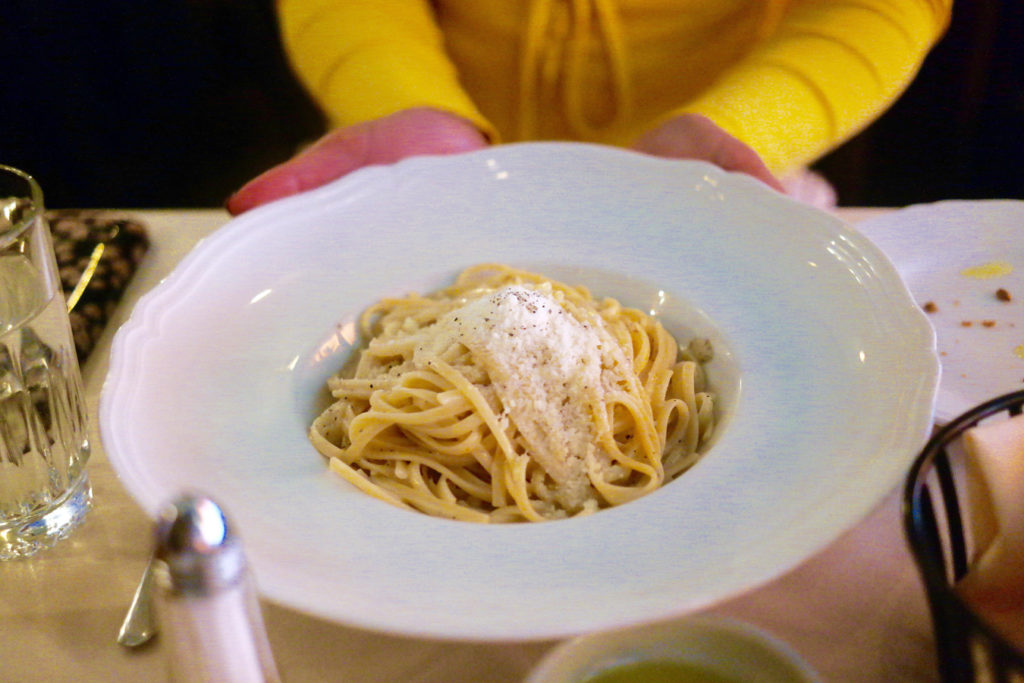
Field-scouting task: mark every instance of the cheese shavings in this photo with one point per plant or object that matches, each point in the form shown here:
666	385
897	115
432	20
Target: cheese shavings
546	367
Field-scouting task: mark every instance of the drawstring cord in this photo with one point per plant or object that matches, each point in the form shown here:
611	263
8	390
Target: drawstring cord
533	45
556	45
771	18
544	60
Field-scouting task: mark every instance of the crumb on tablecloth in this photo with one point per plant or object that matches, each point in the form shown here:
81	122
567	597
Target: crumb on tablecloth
989	270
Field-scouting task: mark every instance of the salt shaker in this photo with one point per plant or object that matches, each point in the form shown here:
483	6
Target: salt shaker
206	601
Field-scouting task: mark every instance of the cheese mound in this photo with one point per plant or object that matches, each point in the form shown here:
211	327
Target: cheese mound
549	369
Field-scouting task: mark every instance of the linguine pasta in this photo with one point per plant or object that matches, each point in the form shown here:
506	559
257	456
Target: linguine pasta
510	397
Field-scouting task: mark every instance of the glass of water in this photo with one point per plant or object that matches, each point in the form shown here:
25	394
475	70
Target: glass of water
44	434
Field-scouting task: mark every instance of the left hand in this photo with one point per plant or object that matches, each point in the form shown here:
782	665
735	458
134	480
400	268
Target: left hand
406	133
693	136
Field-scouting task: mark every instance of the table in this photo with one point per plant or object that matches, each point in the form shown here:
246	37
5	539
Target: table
855	612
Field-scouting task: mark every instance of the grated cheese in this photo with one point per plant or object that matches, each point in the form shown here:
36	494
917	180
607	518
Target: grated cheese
546	367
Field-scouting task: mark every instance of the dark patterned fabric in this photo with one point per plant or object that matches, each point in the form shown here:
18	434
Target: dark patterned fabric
97	255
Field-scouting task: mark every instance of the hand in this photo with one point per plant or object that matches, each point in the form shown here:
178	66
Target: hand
382	141
692	136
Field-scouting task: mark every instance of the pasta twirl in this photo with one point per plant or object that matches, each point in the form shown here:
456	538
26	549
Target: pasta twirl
510	397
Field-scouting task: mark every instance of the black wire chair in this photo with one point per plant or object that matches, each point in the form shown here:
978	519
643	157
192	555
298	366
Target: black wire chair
936	519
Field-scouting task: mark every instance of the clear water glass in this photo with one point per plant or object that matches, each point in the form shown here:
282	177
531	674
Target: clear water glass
44	434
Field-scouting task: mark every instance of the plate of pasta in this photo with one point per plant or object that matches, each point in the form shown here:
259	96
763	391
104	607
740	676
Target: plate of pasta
526	392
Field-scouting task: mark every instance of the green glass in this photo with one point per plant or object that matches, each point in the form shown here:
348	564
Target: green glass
658	671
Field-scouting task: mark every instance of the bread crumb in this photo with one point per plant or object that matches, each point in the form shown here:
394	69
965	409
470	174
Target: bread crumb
1003	295
930	307
965	323
988	323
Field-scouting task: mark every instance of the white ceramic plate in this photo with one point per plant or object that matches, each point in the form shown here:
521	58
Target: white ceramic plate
957	255
825	366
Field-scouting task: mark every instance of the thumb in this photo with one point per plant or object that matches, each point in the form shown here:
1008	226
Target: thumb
336	154
380	141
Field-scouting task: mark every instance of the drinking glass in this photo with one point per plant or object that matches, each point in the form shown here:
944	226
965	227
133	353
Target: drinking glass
44	436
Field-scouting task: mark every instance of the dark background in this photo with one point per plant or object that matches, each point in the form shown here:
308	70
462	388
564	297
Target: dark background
176	103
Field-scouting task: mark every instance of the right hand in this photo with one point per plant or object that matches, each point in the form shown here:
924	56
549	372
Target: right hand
693	136
404	134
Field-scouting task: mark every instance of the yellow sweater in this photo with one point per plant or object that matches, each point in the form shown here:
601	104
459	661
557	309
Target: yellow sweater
791	78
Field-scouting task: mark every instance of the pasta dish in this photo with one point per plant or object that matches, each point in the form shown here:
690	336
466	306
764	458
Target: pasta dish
511	397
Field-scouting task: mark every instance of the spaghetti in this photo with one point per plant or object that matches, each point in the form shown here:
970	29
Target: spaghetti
510	397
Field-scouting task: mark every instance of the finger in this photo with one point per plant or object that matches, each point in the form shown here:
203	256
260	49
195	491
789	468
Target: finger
419	131
733	155
381	141
694	136
332	157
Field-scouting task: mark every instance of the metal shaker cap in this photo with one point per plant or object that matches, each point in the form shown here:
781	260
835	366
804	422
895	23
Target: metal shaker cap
196	546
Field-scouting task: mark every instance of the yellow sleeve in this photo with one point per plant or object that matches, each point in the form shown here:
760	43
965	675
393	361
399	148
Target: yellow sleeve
828	69
364	59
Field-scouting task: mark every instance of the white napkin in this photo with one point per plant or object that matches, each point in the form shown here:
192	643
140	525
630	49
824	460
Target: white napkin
994	586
